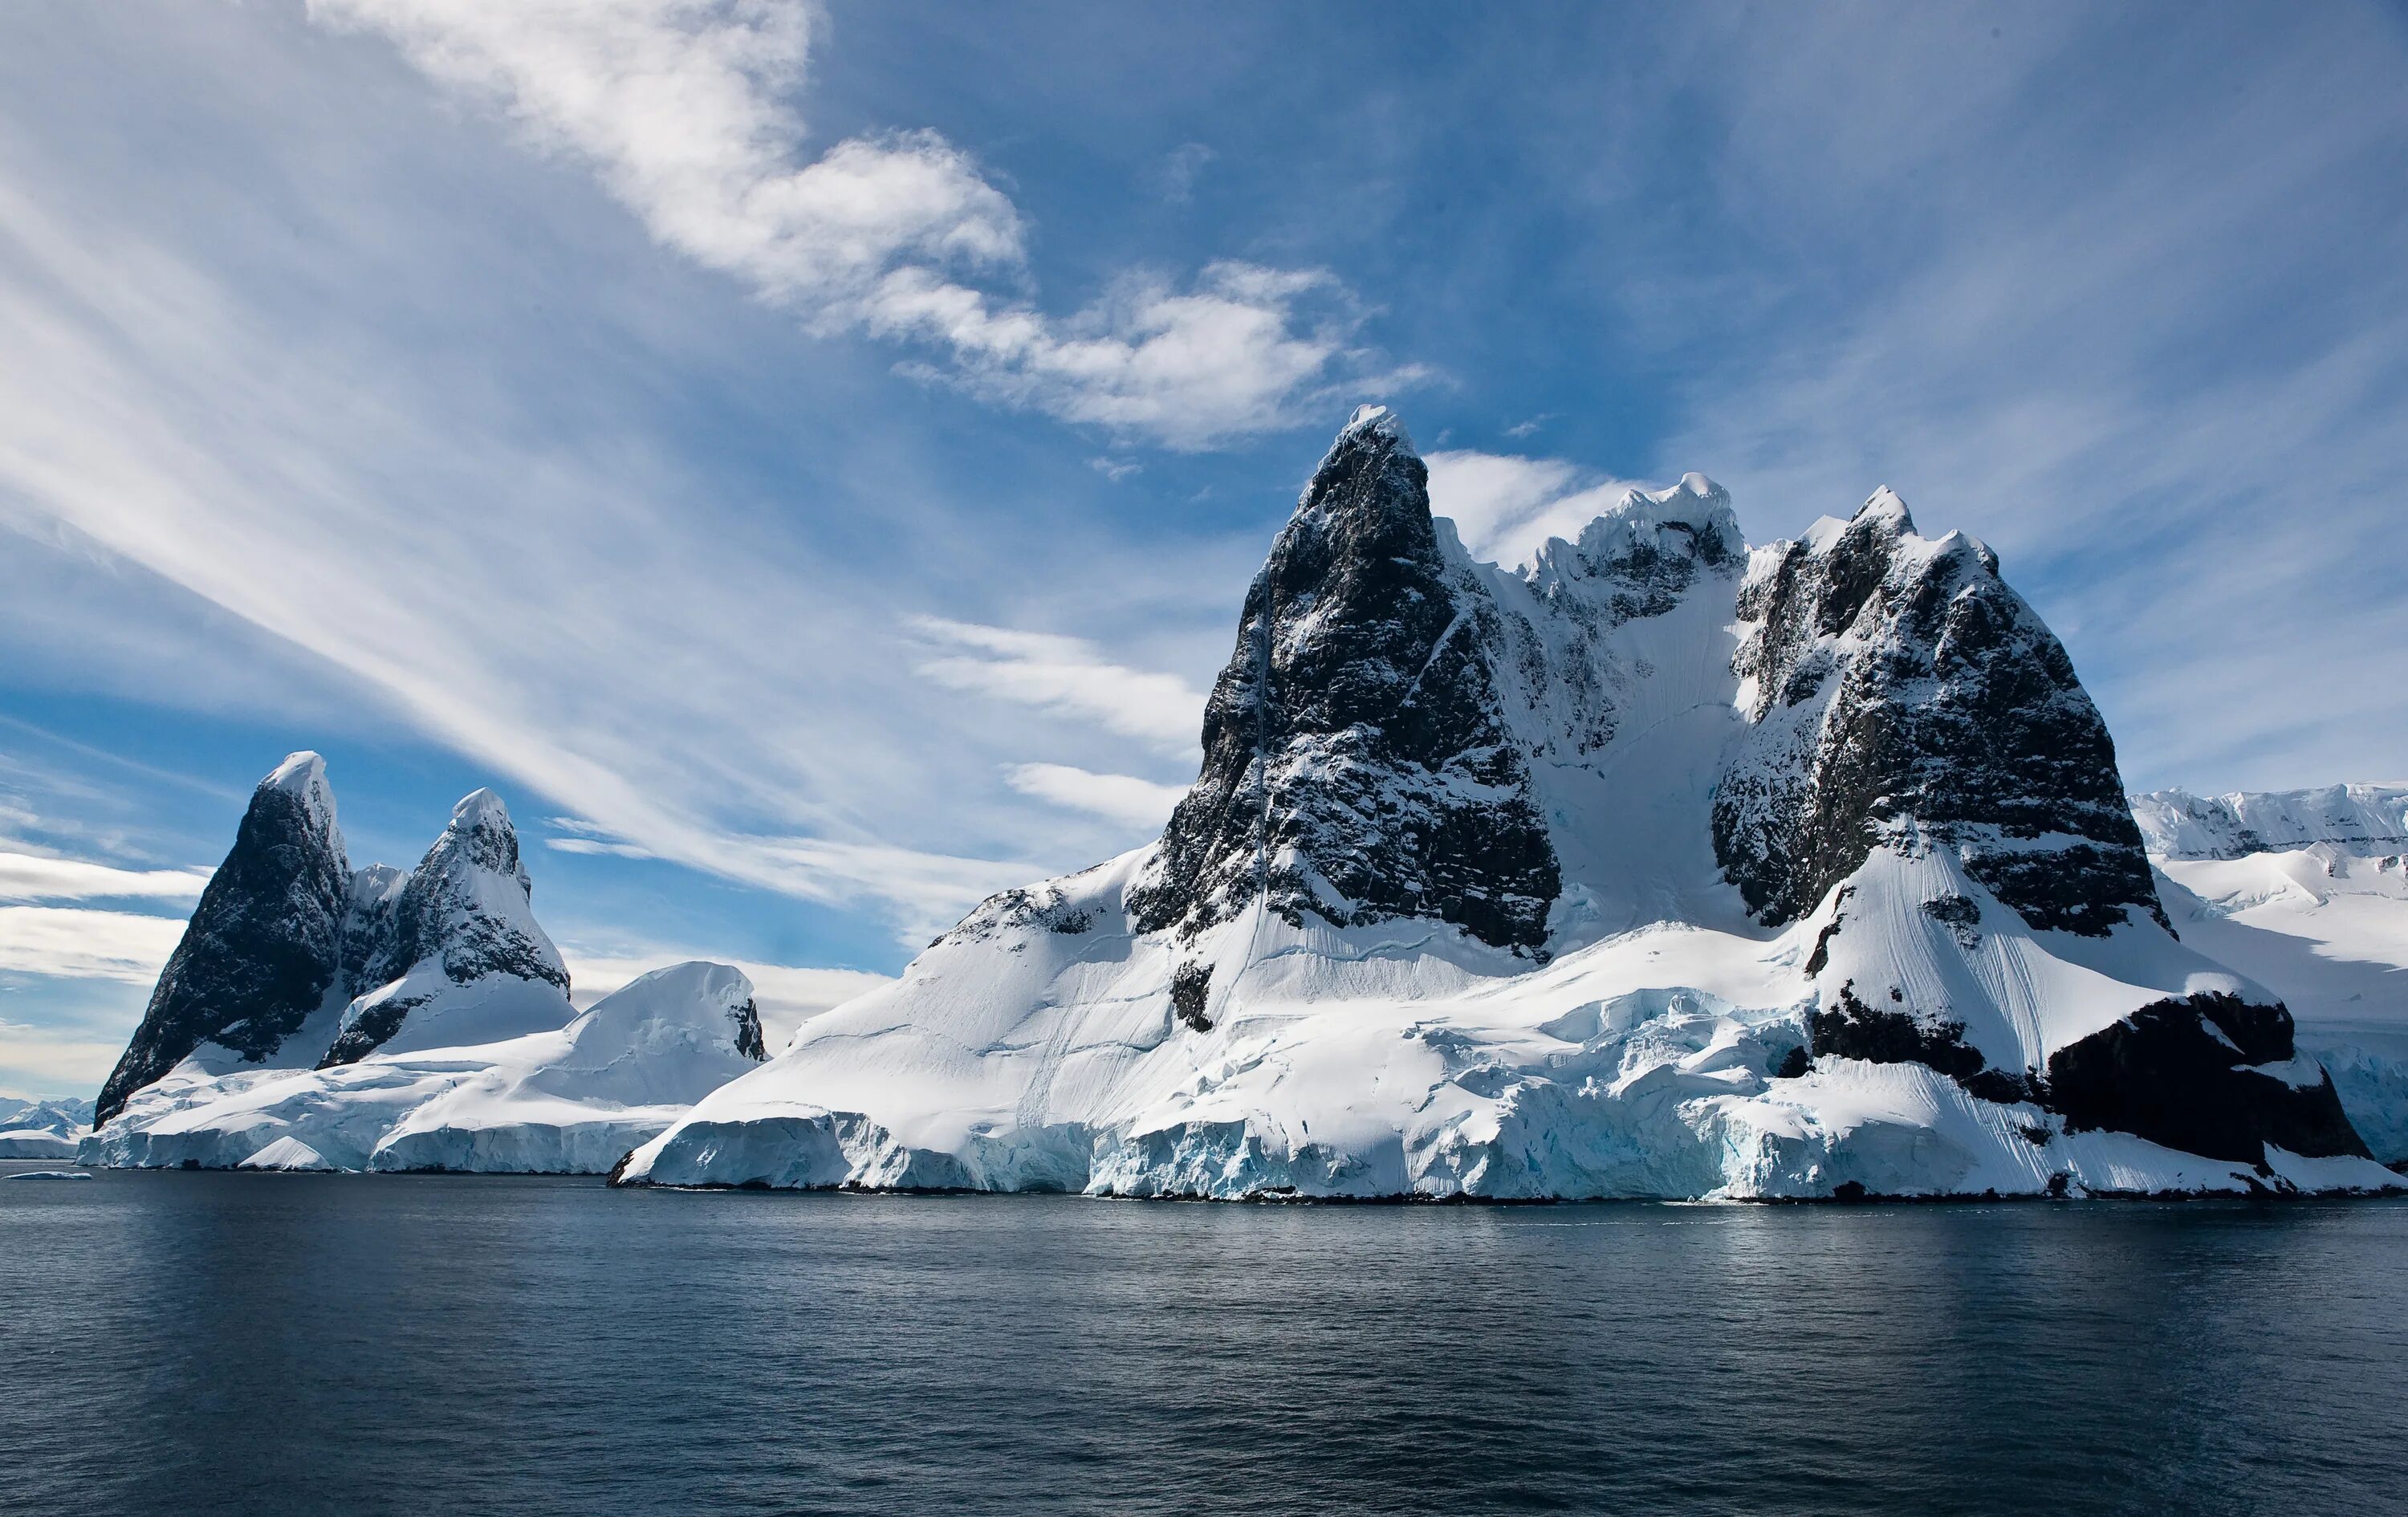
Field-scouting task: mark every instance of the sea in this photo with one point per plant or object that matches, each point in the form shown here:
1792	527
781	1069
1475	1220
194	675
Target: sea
205	1343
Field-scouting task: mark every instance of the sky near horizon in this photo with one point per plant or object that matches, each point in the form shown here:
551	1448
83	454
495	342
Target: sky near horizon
810	459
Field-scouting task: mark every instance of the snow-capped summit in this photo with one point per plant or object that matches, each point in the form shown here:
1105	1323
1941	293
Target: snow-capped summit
1659	868
1355	690
292	957
265	943
463	959
320	1018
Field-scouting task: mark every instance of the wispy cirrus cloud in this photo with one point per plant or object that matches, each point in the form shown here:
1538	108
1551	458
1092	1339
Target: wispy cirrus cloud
82	943
42	877
684	108
1067	676
1123	798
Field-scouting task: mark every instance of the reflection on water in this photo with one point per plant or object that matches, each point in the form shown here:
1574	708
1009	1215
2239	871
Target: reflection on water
238	1343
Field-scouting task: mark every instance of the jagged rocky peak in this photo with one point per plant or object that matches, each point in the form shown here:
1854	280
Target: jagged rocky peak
464	915
265	944
467	902
1900	692
1357	764
1659	539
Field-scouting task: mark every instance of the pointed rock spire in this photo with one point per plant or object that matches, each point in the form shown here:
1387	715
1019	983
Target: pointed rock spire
1356	762
265	944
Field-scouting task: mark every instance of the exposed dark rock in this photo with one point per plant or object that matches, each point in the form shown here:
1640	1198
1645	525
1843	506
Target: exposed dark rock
1358	766
1903	690
1794	1063
463	908
437	914
2177	1072
1190	985
748	1031
263	945
368	1030
1850	1029
1042	906
1820	959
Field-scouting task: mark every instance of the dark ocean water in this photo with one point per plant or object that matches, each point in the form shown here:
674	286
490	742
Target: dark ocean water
197	1343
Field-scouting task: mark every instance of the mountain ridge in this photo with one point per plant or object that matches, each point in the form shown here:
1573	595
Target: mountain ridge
1831	822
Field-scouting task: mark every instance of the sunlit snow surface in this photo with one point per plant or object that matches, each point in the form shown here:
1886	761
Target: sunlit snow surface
571	1100
1408	1061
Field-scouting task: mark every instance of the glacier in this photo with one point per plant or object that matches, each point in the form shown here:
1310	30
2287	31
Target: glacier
1658	866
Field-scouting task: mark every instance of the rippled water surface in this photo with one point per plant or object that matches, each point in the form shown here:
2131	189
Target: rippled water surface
239	1343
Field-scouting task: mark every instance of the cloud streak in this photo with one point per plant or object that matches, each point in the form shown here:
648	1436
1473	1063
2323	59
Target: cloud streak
35	876
76	943
1068	676
1121	798
1506	508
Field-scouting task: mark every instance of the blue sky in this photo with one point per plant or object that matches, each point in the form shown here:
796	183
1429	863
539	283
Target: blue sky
809	459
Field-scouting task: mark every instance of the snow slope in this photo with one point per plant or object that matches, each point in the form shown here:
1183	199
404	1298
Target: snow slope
571	1100
2307	893
1450	911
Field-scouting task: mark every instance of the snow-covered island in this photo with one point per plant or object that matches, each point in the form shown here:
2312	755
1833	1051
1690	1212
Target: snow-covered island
1660	865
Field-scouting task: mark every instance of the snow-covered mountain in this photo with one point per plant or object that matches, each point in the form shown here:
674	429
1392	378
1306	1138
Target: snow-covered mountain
2306	892
1659	866
315	1016
42	1129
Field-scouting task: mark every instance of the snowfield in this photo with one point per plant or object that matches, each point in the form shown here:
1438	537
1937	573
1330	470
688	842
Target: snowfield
2306	892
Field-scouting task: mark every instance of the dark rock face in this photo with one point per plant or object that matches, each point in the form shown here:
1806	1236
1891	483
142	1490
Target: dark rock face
439	914
1901	690
1357	765
1884	1035
263	946
462	908
1191	987
748	1031
2178	1073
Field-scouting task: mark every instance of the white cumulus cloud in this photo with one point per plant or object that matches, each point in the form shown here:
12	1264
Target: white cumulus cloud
1506	507
682	109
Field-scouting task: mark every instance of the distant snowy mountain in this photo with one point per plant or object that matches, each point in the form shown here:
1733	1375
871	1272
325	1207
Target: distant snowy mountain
2306	892
1661	866
315	1016
42	1129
